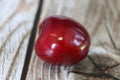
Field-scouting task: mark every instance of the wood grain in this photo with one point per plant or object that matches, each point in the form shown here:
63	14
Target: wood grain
16	20
101	18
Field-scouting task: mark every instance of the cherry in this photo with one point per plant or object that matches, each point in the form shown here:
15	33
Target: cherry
62	41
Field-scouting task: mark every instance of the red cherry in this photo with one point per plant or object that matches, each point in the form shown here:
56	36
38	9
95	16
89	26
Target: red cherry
62	41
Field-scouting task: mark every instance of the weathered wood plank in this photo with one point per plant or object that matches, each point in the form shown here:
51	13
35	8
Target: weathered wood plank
16	20
101	19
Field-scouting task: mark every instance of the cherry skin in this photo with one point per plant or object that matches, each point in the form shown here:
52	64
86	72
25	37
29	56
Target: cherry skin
62	41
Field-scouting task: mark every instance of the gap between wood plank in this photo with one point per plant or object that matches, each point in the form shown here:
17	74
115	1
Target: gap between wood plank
31	42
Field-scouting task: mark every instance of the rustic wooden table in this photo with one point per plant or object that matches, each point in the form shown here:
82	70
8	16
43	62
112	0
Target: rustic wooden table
100	17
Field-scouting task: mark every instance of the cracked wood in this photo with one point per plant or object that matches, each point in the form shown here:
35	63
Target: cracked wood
101	19
16	20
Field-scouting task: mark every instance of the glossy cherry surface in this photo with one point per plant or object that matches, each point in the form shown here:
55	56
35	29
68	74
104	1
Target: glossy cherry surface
62	41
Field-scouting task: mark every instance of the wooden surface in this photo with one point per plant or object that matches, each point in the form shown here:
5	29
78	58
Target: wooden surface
16	20
101	18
